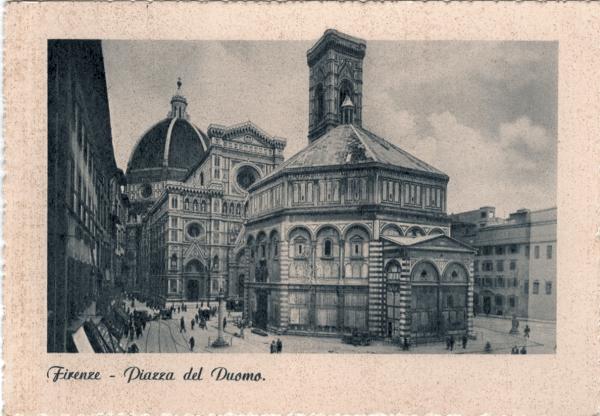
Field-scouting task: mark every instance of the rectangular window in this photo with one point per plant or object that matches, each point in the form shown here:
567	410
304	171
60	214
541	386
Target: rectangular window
548	252
173	235
514	248
526	287
536	251
500	265
476	266
512	301
486	251
548	288
296	192
385	190
536	287
500	281
515	282
391	191
513	265
487	266
499	250
173	222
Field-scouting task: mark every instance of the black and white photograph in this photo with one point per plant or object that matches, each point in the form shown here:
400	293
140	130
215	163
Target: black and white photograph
335	195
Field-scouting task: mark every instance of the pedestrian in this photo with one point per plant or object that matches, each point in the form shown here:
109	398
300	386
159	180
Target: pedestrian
224	323
452	341
523	350
447	343
192	343
144	324
279	345
526	331
464	341
192	324
405	346
273	347
182	325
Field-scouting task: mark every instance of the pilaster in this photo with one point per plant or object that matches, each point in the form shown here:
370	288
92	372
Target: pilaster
376	289
404	300
471	284
284	305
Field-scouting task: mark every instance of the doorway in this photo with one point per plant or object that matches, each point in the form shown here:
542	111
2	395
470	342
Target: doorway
262	308
193	290
487	305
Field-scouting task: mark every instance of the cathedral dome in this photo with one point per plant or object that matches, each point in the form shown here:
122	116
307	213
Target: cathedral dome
169	148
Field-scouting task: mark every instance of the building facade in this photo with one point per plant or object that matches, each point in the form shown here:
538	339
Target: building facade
515	267
188	193
83	244
351	233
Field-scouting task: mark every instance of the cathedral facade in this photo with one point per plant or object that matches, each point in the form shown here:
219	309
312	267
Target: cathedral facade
188	194
351	233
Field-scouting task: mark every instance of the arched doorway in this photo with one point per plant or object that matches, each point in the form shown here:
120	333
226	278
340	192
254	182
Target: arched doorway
193	290
196	280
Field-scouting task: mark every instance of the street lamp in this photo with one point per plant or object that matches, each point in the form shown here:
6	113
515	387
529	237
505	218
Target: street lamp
220	342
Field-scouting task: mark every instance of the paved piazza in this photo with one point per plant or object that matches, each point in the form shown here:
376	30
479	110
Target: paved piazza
163	336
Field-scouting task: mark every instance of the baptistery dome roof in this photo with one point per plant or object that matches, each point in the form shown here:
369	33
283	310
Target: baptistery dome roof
169	148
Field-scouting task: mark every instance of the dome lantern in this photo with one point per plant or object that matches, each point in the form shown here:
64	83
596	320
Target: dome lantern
178	103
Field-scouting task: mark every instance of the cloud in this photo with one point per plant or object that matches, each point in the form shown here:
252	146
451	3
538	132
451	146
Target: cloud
511	169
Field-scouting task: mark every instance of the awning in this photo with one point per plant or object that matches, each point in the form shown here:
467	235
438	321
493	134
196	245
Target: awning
82	343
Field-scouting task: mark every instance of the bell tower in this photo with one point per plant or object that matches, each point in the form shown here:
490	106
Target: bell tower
335	64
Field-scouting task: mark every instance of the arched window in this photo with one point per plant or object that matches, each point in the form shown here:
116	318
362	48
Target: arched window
263	250
174	261
231	208
174	202
319	103
216	262
203	206
346	90
300	247
328	248
238	210
195	205
186	204
224	207
356	247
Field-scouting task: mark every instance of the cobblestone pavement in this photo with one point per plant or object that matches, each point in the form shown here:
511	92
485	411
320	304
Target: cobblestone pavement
164	336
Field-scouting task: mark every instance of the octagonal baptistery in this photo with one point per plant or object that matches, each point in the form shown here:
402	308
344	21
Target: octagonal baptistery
165	152
338	236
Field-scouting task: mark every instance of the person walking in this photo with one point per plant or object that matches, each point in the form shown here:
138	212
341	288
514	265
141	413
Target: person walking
447	343
452	341
192	343
464	341
192	323
273	347
523	350
224	323
526	331
182	325
279	345
405	346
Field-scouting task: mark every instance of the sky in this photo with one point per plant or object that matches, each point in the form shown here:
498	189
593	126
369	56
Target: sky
485	113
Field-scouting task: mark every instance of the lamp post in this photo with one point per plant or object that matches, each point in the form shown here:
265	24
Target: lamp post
220	342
